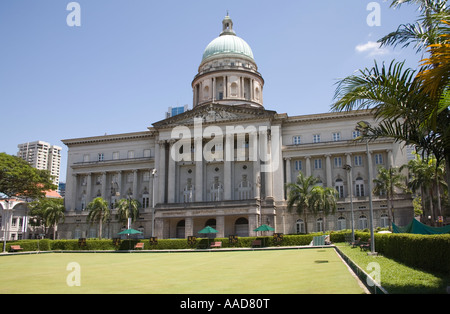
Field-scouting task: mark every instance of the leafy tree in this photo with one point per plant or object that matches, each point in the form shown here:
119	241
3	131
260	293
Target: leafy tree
98	212
18	178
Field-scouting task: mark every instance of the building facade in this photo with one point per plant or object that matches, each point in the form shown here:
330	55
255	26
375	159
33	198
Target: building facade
42	155
226	162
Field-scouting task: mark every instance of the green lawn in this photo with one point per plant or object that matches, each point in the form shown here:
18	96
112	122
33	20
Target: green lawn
244	272
396	277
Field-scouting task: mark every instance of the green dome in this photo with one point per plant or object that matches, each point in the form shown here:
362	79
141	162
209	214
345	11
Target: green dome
228	44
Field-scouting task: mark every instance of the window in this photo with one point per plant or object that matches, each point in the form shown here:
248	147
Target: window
147	153
300	226
378	159
317	163
337	162
115	155
131	154
336	136
356	134
244	189
384	221
298	165
362	222
296	140
86	158
216	190
146	176
145	201
359	185
340	188
319	225
358	160
316	138
341	223
101	157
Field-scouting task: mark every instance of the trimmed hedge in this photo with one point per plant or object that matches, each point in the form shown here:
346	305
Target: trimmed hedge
427	252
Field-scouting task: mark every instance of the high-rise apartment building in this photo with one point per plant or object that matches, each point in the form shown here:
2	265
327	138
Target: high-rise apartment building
42	155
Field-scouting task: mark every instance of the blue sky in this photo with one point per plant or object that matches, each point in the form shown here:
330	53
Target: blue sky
131	60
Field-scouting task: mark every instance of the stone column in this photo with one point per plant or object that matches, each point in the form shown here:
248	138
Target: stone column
328	171
228	156
104	185
188	226
171	176
220	226
162	172
74	191
89	188
308	166
198	169
288	171
135	184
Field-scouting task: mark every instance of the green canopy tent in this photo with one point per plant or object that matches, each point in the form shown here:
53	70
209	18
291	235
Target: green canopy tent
208	230
417	227
264	228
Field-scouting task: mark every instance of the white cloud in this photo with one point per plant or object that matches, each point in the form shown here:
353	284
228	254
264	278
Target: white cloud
371	48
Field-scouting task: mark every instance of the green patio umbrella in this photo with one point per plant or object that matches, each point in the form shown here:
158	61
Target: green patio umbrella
130	231
264	228
208	230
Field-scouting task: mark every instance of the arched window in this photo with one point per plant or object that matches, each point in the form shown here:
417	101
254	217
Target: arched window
211	222
234	89
362	222
384	221
300	226
319	225
241	227
180	229
206	93
341	223
359	187
339	184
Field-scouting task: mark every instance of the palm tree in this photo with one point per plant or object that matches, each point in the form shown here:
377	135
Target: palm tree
410	106
427	175
98	212
300	196
53	214
127	210
323	200
387	181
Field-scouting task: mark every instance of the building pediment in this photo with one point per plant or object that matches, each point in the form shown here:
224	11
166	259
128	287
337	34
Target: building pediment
216	113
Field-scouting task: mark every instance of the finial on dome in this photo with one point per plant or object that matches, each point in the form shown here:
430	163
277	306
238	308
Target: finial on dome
227	26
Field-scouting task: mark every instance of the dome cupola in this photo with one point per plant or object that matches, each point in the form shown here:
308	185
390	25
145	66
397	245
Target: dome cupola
228	73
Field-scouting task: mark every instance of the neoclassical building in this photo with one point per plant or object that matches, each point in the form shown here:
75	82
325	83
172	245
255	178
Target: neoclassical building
226	162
